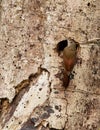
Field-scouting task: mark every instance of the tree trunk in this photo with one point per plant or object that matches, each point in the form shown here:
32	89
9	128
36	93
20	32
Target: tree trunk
32	95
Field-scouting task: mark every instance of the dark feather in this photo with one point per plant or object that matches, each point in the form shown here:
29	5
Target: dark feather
61	45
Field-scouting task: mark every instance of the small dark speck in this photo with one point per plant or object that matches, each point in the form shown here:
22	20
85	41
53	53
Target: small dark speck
29	35
18	67
32	45
39	38
88	4
69	25
56	107
19	122
80	10
40	89
74	72
87	118
25	50
50	55
39	97
56	92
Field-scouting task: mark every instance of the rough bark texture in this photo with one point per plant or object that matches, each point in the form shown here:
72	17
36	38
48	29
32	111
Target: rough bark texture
32	96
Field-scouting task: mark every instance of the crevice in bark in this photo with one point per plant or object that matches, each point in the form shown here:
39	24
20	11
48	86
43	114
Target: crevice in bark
7	109
83	92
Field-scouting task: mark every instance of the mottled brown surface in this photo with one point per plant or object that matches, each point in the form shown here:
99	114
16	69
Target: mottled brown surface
29	33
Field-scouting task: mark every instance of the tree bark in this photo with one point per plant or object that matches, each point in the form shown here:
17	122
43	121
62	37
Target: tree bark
32	95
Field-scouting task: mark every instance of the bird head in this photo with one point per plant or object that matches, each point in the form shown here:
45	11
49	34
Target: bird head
70	43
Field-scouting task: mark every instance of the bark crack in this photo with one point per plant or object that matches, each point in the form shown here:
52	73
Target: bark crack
83	92
7	109
66	110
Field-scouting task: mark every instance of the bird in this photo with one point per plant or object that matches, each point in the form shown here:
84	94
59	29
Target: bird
69	48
